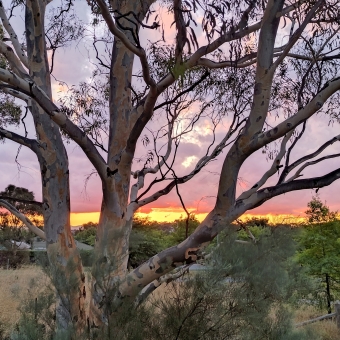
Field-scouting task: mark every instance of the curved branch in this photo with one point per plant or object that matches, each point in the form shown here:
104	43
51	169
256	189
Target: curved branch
23	219
13	60
167	278
30	143
298	172
309	183
199	165
259	140
311	155
10	90
125	40
60	118
298	33
273	169
285	171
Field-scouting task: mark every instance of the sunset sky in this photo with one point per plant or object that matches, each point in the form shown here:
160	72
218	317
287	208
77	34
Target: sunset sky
73	65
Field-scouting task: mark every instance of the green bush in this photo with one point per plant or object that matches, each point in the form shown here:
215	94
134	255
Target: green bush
242	294
14	258
86	257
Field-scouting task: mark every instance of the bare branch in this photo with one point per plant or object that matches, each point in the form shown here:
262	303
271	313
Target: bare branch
140	52
30	143
273	169
259	140
9	90
298	173
265	194
13	60
285	169
199	165
298	32
311	155
167	278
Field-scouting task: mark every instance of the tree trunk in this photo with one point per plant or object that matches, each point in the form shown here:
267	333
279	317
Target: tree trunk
65	262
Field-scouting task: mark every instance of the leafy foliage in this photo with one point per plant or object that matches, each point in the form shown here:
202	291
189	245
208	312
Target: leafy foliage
319	250
242	294
22	199
87	233
319	212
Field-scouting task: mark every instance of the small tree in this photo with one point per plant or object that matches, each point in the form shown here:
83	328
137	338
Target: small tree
24	202
320	247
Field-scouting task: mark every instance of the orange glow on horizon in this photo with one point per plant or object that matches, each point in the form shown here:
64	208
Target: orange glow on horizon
173	213
78	219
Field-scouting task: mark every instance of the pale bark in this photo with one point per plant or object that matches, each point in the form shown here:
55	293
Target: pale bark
67	272
13	36
111	281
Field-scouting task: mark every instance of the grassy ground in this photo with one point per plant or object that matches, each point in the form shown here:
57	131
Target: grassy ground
327	329
16	285
27	282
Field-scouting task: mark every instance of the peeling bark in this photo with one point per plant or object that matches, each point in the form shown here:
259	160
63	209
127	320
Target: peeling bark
67	271
112	284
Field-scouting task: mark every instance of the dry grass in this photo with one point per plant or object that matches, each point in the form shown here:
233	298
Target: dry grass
325	330
16	285
27	282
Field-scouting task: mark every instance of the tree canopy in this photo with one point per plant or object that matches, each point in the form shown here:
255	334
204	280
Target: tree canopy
320	249
163	70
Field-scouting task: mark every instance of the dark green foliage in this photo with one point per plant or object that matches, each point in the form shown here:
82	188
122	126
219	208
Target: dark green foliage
87	233
320	255
319	212
319	251
19	234
14	259
86	257
23	200
243	294
37	319
147	238
178	235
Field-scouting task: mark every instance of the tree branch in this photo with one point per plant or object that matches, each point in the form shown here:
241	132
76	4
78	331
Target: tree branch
30	143
167	278
273	169
34	91
259	140
298	173
265	194
125	40
14	38
298	33
23	219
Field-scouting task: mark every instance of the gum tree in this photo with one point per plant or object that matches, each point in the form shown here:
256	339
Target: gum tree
229	63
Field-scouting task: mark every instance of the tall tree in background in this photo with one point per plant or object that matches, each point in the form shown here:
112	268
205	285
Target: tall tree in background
233	69
320	248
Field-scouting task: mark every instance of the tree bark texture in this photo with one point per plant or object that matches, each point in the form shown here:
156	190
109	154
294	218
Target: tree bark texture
67	272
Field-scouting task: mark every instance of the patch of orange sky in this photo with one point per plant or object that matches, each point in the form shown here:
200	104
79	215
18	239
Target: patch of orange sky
171	214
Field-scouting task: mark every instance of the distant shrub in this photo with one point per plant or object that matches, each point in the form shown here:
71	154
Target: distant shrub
86	257
14	258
